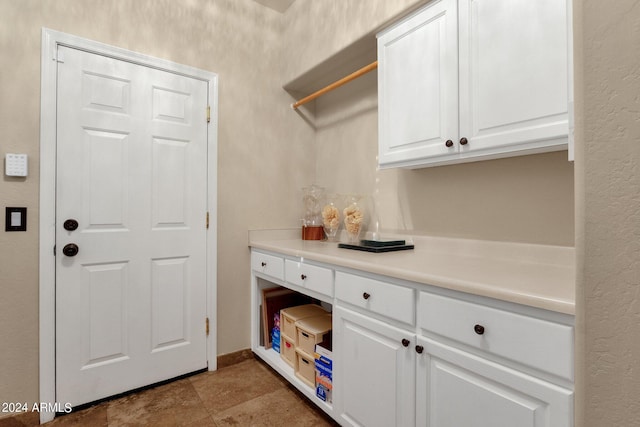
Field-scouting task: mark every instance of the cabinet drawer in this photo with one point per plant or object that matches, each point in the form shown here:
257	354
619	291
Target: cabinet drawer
312	277
396	302
535	342
268	264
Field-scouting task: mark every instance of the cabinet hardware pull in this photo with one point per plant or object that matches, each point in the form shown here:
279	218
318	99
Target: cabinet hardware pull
463	141
449	143
479	329
264	264
419	349
305	334
303	276
405	342
365	295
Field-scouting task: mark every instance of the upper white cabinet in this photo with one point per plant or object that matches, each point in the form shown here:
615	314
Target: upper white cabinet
463	80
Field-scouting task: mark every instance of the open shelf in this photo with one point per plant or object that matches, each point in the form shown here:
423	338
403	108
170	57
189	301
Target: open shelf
273	359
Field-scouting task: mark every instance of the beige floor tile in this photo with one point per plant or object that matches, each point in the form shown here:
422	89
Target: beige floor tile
171	404
235	384
95	416
245	394
279	408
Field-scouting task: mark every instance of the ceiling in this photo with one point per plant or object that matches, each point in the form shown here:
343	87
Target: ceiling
279	5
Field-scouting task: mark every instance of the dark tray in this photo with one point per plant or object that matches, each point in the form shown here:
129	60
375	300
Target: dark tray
379	243
375	249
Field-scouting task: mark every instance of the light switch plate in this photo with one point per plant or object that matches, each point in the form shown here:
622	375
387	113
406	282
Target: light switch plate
15	219
15	164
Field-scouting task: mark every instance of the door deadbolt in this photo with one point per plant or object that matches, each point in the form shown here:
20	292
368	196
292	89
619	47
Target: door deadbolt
70	224
70	249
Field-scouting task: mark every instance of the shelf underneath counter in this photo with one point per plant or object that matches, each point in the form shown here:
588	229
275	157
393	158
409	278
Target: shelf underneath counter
273	359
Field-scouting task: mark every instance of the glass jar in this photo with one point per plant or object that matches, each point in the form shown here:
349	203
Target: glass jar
312	198
353	218
331	217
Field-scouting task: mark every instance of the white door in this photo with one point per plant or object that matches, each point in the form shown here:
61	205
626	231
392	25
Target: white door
132	171
375	371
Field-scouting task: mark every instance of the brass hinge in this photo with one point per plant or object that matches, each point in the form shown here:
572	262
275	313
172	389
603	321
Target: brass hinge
208	114
207	220
206	322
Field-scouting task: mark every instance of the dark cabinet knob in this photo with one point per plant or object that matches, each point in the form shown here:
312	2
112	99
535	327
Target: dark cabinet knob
264	264
70	225
70	249
463	141
479	329
405	342
449	143
366	295
303	276
419	349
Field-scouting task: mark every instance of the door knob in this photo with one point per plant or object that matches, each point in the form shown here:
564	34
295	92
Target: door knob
405	342
464	141
419	349
479	329
449	143
70	249
70	224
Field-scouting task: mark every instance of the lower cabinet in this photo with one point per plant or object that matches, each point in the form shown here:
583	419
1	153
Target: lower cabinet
455	388
374	371
410	355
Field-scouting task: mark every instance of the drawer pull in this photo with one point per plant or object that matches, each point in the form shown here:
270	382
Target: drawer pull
365	295
405	342
304	334
449	143
479	329
303	276
305	361
464	141
264	264
419	349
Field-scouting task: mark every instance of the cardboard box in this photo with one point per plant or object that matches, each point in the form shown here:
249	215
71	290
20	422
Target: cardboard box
275	340
305	368
288	350
324	373
289	316
311	331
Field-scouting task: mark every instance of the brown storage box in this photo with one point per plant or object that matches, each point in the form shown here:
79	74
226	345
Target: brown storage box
306	369
289	317
288	350
311	331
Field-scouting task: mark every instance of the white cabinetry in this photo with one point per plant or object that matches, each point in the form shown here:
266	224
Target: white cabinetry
374	374
485	366
465	80
408	354
456	388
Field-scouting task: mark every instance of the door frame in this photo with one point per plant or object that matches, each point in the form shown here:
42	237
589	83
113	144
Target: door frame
47	216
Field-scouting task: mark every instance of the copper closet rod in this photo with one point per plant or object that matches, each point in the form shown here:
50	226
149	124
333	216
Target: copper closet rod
336	84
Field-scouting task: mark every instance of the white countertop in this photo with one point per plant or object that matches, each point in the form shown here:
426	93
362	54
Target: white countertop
534	275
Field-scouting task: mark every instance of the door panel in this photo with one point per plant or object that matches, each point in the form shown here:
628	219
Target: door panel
375	373
503	44
455	388
132	170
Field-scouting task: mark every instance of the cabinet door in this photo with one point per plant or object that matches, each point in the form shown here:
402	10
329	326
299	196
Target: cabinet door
455	388
513	75
374	372
418	86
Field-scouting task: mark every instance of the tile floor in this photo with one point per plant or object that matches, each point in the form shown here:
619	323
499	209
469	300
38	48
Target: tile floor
248	393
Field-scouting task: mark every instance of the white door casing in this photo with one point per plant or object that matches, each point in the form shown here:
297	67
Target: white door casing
127	312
